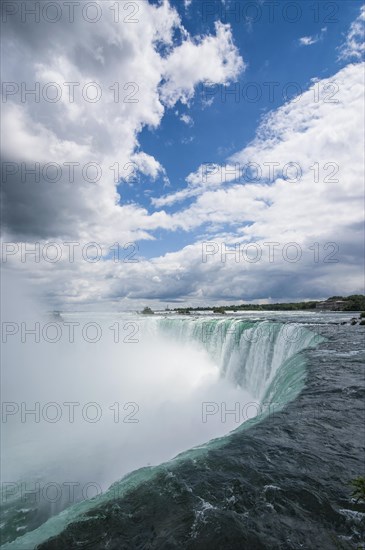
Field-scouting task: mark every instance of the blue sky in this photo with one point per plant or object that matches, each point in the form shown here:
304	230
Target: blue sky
273	54
175	53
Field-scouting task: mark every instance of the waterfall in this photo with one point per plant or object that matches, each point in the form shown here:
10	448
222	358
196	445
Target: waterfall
253	355
263	358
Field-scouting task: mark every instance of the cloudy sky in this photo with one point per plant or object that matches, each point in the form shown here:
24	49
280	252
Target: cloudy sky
183	152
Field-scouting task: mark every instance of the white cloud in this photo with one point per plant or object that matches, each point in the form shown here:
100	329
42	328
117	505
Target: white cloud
128	68
307	130
212	59
304	212
309	40
147	165
186	119
354	45
304	131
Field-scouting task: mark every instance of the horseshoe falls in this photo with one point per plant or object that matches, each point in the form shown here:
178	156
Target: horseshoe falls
261	357
243	400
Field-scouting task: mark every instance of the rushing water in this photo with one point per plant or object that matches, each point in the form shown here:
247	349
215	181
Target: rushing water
278	479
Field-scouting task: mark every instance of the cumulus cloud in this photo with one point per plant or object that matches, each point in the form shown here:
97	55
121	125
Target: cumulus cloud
108	85
319	202
147	165
207	59
305	208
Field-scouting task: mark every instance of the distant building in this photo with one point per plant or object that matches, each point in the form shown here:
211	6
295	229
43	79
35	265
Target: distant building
332	305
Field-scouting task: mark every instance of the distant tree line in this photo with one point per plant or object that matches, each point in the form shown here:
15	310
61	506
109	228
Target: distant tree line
355	302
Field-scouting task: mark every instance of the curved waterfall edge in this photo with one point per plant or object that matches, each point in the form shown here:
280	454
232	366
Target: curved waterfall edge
266	356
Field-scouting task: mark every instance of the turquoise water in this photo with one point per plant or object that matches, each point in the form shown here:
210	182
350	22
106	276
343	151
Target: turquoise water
262	357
